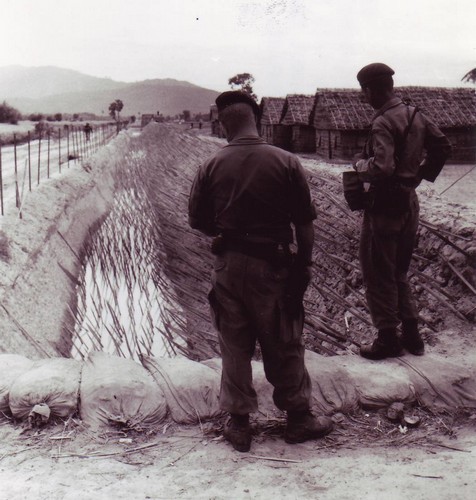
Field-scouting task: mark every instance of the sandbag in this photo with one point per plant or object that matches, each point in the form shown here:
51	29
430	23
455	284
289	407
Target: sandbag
53	382
191	388
332	387
440	383
119	391
12	366
378	384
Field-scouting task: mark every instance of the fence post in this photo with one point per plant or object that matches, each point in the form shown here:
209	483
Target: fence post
39	155
59	150
48	163
67	144
81	142
29	161
17	204
1	178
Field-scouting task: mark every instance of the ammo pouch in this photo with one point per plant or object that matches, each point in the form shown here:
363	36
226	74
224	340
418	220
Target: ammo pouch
354	192
390	197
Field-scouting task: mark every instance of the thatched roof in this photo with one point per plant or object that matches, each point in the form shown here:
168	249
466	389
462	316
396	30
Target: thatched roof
346	109
297	109
448	107
341	109
271	109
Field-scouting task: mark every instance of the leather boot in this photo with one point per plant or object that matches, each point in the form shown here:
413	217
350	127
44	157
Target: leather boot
238	432
411	338
303	426
386	345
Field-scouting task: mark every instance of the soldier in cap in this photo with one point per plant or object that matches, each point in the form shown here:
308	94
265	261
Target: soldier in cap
248	196
401	137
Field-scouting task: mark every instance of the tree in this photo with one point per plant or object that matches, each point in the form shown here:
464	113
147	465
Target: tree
58	117
470	76
186	115
115	109
9	114
243	82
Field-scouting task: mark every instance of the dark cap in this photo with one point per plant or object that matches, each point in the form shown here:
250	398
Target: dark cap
230	97
373	72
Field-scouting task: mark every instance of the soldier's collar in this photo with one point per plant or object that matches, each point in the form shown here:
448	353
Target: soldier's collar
391	103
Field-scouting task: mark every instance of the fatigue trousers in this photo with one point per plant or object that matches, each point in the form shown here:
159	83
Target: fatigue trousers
386	248
246	306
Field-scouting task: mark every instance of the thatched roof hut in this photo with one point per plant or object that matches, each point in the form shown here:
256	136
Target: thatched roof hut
296	115
271	130
342	118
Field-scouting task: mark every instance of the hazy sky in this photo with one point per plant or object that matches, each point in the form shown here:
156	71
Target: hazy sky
290	46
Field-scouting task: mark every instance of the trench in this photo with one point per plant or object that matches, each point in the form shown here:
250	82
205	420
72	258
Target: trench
144	285
125	302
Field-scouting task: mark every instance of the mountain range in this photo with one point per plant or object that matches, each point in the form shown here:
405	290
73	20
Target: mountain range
49	90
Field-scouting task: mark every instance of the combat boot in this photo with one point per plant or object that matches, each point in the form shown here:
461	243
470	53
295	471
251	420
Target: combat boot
238	432
411	338
386	345
303	426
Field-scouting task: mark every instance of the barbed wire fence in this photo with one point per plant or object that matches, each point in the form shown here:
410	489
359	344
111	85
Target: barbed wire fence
27	161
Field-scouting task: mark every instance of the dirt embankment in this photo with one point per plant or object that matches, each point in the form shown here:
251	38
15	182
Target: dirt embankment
443	272
39	254
39	264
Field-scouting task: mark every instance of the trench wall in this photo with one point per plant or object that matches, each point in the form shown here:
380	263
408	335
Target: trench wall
39	254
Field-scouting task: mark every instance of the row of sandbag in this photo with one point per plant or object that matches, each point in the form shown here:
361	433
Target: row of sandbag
107	390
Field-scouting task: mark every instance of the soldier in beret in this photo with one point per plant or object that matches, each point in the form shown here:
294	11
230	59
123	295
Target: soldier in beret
401	137
248	196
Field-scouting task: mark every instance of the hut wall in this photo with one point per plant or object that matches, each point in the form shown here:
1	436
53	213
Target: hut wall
303	139
340	144
463	141
267	133
281	137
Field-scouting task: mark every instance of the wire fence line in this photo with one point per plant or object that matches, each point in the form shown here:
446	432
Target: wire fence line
26	163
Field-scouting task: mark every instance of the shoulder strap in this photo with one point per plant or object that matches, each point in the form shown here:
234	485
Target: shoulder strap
410	123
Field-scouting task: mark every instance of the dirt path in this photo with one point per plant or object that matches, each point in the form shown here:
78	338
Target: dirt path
184	463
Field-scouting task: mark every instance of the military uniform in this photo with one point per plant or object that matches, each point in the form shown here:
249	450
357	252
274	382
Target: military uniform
250	192
399	139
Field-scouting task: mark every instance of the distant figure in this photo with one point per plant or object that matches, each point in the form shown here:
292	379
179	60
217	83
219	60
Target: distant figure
200	124
87	131
392	163
191	124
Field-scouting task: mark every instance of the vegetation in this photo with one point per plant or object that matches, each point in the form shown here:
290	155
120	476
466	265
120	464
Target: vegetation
9	114
115	109
470	76
243	82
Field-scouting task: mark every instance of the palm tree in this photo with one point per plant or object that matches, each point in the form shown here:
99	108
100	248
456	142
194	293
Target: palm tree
470	76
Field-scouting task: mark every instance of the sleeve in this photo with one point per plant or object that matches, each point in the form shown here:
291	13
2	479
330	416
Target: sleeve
438	149
382	162
302	208
200	208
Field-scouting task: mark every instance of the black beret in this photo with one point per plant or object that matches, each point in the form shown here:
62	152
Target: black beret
230	97
373	72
